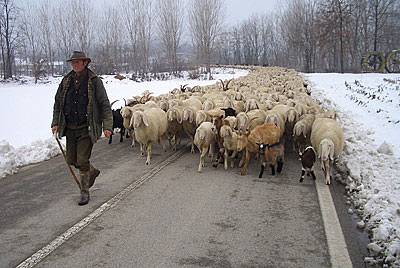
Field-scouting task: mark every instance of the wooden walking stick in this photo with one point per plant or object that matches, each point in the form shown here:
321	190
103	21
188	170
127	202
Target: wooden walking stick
69	167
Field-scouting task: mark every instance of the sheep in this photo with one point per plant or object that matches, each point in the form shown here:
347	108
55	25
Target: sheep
149	126
118	122
208	104
268	135
232	121
327	139
175	126
204	139
307	157
229	142
252	104
189	123
202	116
272	154
302	132
127	112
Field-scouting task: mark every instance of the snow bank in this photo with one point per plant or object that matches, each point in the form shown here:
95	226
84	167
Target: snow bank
368	106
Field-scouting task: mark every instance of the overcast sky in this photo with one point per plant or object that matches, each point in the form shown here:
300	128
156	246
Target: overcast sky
238	10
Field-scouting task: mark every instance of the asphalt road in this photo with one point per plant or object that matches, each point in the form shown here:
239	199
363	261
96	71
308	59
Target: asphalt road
167	215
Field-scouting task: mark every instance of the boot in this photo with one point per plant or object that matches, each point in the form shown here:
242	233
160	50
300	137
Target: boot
84	199
93	174
84	188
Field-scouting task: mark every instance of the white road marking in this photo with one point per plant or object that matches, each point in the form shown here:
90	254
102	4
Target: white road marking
61	239
337	247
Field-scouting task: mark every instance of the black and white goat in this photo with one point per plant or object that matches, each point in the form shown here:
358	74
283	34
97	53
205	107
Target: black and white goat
117	123
307	158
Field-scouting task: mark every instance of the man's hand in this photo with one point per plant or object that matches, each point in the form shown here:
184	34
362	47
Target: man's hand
107	133
54	129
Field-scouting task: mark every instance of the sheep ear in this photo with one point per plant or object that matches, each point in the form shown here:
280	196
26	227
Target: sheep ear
179	117
331	152
145	120
131	122
191	117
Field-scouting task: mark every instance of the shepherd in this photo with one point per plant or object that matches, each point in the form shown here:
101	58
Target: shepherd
81	112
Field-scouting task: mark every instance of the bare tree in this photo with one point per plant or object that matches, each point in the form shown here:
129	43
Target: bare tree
205	20
379	15
82	14
9	13
46	36
170	26
63	32
30	35
137	18
109	41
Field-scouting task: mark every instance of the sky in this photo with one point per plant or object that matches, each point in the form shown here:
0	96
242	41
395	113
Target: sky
239	10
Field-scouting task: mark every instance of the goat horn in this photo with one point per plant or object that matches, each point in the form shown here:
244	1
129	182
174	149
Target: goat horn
113	102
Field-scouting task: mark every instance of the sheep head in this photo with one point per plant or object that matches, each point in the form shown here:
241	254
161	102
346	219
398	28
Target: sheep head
138	119
188	115
326	150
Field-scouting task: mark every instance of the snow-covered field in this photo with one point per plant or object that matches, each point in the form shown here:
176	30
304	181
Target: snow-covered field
369	109
368	106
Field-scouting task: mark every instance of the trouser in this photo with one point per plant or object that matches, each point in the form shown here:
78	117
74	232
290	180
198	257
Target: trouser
79	150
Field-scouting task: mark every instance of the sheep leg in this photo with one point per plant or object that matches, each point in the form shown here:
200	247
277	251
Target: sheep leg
226	155
302	175
121	139
327	172
162	143
272	170
211	151
242	159
233	159
133	138
262	170
142	148
246	163
148	153
192	141
202	156
280	166
313	175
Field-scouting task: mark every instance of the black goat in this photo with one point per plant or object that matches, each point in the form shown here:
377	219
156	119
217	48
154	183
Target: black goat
229	111
307	158
118	122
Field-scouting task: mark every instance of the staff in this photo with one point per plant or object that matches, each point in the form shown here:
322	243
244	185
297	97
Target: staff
69	167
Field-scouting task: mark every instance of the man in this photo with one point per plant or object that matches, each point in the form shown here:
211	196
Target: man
81	111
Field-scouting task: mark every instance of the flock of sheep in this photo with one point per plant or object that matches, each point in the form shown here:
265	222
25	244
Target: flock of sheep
247	118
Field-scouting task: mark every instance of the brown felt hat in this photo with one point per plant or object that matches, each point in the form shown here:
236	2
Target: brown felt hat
78	55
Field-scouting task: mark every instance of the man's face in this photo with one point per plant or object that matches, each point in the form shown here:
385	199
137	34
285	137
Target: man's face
78	65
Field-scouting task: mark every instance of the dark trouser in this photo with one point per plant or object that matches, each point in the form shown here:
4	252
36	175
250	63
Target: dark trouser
79	150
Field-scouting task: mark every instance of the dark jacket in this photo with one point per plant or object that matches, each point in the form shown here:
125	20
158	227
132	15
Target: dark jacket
98	109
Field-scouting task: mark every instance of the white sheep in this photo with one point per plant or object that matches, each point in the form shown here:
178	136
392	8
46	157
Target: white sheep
149	126
302	132
230	142
327	139
202	116
204	139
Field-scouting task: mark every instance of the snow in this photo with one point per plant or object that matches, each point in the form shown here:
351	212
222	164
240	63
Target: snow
368	107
